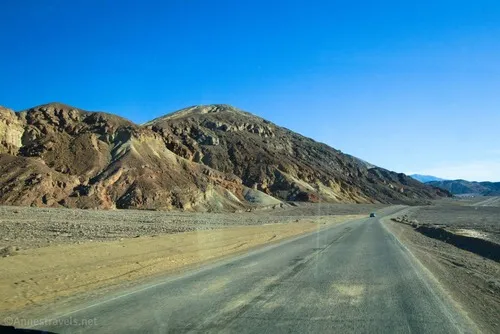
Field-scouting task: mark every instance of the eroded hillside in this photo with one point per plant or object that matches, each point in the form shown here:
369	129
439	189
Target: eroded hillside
201	158
280	162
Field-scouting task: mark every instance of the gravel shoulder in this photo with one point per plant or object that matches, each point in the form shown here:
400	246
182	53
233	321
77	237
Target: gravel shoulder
472	281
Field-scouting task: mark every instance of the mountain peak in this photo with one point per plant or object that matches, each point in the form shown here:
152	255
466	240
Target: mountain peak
210	108
200	109
204	109
54	106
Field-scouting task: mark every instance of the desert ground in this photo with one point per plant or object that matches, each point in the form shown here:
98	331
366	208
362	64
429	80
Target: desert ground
472	280
63	255
25	227
52	254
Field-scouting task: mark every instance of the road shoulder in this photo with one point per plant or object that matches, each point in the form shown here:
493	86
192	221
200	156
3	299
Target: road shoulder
471	281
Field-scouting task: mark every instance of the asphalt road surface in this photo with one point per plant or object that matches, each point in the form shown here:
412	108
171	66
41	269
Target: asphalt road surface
354	277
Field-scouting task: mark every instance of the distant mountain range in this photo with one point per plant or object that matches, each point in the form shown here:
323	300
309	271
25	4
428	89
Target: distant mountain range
426	178
462	187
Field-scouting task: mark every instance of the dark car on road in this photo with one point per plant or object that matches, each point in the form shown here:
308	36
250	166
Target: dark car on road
372	215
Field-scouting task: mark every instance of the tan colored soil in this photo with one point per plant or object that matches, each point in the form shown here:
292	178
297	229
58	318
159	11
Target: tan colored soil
39	275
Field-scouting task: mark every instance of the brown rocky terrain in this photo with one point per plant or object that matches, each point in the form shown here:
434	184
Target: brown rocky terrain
280	162
205	158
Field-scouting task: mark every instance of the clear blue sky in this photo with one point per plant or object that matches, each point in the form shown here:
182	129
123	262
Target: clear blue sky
413	86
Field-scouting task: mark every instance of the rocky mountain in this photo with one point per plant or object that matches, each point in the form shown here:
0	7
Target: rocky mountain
425	178
213	157
462	187
280	162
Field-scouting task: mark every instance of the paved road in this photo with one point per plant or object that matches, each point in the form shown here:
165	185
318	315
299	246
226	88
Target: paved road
353	277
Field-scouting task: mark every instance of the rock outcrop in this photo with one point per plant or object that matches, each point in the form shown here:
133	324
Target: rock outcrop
11	131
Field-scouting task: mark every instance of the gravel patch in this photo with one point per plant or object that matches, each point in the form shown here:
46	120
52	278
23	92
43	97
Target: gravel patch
456	218
26	227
